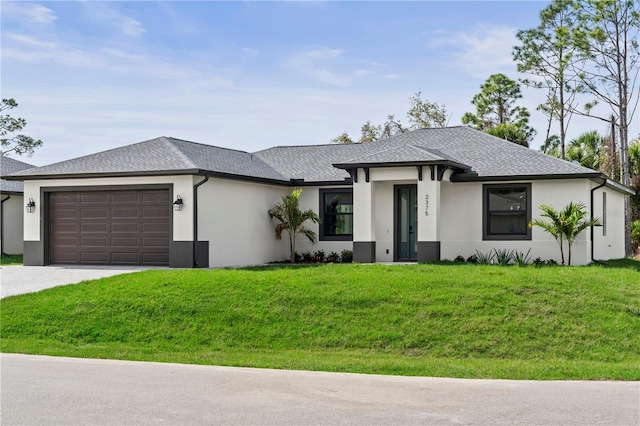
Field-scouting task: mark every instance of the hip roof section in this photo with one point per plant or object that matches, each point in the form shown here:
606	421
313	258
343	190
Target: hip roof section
463	148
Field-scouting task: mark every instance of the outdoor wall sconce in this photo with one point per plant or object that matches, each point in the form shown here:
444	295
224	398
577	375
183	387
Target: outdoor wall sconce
177	204
30	206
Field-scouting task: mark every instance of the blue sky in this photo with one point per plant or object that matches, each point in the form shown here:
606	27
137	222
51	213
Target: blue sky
91	76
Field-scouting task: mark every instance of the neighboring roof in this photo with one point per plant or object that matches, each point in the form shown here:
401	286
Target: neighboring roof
473	155
159	156
9	166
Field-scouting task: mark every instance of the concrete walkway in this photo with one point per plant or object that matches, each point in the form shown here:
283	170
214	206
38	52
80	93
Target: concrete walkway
28	279
39	390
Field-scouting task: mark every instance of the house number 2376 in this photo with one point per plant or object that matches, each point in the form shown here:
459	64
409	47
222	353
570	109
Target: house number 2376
426	205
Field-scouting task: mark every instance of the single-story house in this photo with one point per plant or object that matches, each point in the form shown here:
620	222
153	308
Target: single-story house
424	195
12	207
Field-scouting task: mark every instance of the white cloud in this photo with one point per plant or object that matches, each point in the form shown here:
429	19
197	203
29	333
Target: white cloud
480	52
315	63
330	66
35	13
249	53
104	12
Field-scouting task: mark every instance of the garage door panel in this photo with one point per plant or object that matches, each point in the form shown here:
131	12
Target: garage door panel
125	227
87	213
110	227
94	198
125	242
62	198
102	228
155	259
94	257
65	213
154	212
125	213
155	197
126	197
88	241
125	258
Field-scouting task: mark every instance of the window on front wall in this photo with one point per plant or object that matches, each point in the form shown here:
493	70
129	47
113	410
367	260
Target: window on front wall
507	212
336	212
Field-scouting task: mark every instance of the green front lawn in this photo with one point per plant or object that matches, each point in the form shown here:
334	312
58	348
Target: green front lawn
10	259
434	320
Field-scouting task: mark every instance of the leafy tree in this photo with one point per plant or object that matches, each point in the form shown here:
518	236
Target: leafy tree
392	127
370	132
607	37
495	104
587	149
547	53
9	126
551	146
565	225
511	132
292	220
422	114
343	138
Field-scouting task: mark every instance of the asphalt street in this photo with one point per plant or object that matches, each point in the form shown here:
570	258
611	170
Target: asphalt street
39	390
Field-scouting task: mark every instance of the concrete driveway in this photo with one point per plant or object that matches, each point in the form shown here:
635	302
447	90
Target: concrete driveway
39	390
28	279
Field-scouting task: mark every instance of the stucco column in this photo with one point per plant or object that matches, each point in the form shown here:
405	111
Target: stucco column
428	218
364	231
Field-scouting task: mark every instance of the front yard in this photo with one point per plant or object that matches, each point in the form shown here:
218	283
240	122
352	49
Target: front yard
433	320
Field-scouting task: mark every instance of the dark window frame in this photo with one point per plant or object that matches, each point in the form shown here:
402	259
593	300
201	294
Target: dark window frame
322	235
486	214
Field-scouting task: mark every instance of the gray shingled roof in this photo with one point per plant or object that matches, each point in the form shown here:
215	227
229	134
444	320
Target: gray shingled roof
486	155
9	166
161	156
404	154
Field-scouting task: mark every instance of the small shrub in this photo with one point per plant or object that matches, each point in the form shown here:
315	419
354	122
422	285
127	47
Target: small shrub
346	256
522	258
318	256
635	235
459	259
472	259
549	262
298	257
307	257
333	257
503	256
484	258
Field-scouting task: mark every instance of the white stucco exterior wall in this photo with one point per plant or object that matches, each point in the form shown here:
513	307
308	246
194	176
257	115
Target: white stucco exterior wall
310	199
233	217
182	185
608	239
462	213
13	222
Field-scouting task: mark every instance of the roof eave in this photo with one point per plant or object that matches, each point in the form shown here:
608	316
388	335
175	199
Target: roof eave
472	177
449	163
617	186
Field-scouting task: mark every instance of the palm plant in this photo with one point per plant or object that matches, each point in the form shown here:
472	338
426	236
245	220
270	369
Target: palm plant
292	220
565	225
586	149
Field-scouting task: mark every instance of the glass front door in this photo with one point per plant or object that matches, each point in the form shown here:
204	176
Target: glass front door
406	222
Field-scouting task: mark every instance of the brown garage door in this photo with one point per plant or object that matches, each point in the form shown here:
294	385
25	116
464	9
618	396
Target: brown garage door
110	227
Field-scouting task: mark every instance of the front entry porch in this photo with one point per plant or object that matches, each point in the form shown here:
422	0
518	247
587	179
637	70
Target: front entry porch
396	214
